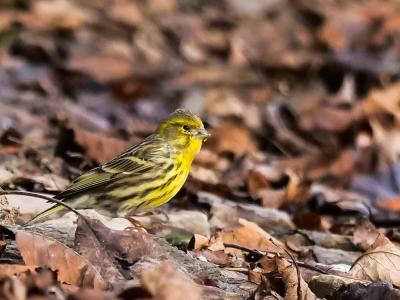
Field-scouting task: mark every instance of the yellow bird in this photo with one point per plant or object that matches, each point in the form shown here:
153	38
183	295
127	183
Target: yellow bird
143	177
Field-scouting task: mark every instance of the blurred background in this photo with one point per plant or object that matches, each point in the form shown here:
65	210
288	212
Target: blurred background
300	96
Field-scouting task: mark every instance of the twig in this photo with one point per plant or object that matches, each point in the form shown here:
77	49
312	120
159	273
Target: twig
50	199
295	265
40	196
372	253
36	195
259	255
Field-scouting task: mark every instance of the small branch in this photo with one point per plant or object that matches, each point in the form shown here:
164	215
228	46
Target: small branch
50	199
372	253
295	265
257	254
39	196
36	195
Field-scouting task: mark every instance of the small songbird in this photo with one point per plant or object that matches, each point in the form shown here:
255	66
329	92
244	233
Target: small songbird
143	177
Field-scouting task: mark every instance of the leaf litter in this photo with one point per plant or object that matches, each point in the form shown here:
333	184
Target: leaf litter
295	195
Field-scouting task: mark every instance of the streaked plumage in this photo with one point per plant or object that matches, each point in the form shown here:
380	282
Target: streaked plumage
145	176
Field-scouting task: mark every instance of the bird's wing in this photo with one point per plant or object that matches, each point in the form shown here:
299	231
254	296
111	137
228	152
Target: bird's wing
135	161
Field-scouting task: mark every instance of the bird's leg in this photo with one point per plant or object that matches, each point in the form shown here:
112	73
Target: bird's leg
135	222
162	211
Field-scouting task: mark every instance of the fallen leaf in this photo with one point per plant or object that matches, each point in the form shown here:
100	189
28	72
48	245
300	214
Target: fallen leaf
223	103
104	67
387	139
288	53
61	14
164	282
249	235
126	12
3	244
127	245
9	270
72	268
256	181
198	242
383	100
390	204
313	221
291	280
89	246
380	262
13	288
231	138
255	275
365	234
99	147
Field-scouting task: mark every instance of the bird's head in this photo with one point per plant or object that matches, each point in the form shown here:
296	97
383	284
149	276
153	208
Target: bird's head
184	131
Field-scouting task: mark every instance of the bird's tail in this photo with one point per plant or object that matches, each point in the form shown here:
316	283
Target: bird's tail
55	208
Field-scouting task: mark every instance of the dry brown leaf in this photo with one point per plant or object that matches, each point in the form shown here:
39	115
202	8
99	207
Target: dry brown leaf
388	139
99	147
89	247
342	27
9	270
291	281
231	138
72	268
104	67
3	244
255	275
380	262
223	103
256	181
392	204
128	245
198	242
290	53
61	14
365	234
126	12
246	234
383	100
164	282
28	20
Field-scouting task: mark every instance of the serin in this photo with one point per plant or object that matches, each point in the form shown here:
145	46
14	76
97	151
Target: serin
143	177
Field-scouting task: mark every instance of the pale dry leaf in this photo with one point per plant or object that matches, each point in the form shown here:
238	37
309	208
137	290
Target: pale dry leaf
388	139
247	234
380	262
198	242
99	147
291	281
88	245
165	282
365	234
126	12
231	138
383	100
104	66
61	14
72	268
10	270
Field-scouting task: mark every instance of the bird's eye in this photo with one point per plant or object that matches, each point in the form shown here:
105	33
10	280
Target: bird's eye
186	127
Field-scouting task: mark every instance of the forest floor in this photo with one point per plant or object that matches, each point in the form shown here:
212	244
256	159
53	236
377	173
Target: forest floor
296	195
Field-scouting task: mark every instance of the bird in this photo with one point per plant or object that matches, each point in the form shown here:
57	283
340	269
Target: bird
143	177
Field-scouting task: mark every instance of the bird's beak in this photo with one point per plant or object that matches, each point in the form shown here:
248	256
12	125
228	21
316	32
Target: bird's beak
203	134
